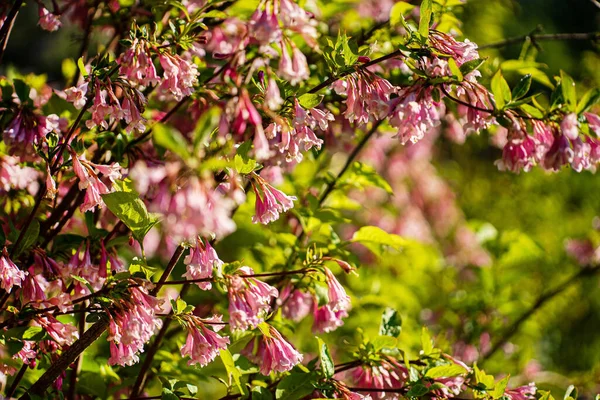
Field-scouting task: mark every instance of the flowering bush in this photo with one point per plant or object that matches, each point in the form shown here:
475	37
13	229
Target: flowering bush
188	215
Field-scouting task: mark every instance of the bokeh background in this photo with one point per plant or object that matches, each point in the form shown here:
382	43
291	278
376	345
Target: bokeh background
467	288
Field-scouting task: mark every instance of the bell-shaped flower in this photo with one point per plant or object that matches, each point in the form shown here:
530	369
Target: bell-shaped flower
249	299
272	353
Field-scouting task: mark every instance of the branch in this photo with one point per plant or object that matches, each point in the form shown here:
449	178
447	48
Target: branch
67	358
542	37
543	299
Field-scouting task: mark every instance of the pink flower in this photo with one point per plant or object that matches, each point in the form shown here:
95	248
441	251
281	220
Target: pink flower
338	299
48	21
387	374
559	154
88	172
273	98
62	334
367	97
200	263
294	68
249	299
132	326
518	154
326	319
25	130
272	353
77	95
414	113
264	26
593	121
179	78
298	20
269	201
202	344
295	304
526	392
10	274
14	176
136	64
569	126
461	52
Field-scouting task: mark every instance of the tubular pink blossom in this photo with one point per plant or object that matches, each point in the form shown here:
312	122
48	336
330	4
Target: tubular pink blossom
269	202
569	126
387	374
77	95
48	21
202	344
10	274
526	392
327	320
593	121
272	353
200	263
338	299
249	300
295	304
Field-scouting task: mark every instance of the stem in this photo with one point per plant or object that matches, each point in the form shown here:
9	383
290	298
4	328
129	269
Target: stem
141	378
13	387
543	299
264	274
167	272
75	371
67	358
331	80
36	206
464	103
56	163
12	14
349	161
65	219
542	37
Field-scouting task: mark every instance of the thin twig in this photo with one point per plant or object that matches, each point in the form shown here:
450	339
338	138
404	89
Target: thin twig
542	37
543	299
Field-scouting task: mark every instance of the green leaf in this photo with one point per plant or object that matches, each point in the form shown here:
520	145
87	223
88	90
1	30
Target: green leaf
22	90
501	90
167	394
296	386
571	393
426	341
25	333
261	393
384	342
310	100
590	98
129	208
522	87
244	166
206	125
424	21
397	14
362	175
376	235
232	371
532	111
327	365
456	72
171	139
445	371
500	388
29	239
568	91
471	66
81	67
417	390
391	323
481	377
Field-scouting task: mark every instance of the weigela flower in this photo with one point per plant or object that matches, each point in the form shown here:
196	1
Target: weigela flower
414	113
63	334
386	374
298	20
368	96
10	274
273	98
179	78
338	299
326	319
137	66
264	25
48	21
295	304
570	127
131	326
272	353
14	176
269	201
526	392
593	121
249	299
87	172
200	263
25	130
77	95
519	154
461	52
202	344
294	68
